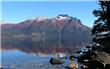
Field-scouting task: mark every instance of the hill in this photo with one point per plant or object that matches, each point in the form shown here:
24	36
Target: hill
62	33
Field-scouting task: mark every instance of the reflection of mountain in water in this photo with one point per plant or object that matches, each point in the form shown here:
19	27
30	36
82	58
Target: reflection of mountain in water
60	34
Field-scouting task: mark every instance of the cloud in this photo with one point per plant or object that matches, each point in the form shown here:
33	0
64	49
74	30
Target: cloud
6	22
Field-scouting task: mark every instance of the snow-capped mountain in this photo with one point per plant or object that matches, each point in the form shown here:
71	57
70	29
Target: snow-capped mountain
58	33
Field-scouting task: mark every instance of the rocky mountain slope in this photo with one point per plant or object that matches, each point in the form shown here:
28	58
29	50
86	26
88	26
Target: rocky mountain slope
60	32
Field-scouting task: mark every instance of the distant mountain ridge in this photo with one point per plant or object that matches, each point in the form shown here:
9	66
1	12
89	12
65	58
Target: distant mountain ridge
61	31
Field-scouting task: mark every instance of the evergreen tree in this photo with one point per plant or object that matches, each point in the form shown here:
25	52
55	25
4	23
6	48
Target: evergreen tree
103	18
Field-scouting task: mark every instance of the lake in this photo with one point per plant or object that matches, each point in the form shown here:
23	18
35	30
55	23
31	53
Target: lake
16	59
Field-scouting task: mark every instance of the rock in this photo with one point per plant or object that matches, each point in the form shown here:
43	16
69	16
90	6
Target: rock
55	61
72	66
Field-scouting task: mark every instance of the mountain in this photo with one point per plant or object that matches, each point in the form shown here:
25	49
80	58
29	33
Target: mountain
60	33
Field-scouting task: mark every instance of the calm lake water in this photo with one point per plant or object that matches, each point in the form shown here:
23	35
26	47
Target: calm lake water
15	59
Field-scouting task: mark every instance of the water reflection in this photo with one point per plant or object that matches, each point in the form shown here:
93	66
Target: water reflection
31	53
33	45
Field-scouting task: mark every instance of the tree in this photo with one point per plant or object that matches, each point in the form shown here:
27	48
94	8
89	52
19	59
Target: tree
98	56
103	21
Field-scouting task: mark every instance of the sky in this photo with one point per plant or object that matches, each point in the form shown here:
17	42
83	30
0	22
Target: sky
18	11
